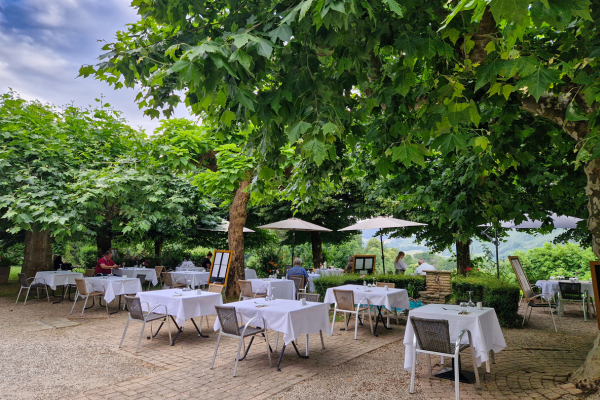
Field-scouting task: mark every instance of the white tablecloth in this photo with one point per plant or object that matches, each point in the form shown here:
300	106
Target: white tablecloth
57	278
195	269
250	274
311	278
551	287
190	305
187	264
280	288
483	324
391	298
197	278
133	273
287	316
115	286
330	272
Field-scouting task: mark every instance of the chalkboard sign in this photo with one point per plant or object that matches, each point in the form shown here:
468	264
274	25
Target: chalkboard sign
219	269
363	264
595	268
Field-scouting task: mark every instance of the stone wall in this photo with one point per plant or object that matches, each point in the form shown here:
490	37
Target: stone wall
438	287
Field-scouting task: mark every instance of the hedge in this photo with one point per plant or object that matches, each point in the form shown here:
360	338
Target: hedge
414	284
501	295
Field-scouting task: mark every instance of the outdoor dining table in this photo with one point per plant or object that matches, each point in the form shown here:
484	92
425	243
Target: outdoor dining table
55	279
483	325
182	305
250	274
311	278
279	288
196	278
377	296
115	286
150	273
194	269
551	286
289	317
330	272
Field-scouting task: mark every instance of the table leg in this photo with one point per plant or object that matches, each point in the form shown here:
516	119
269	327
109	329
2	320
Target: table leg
280	357
179	330
378	317
118	308
199	329
62	295
463	376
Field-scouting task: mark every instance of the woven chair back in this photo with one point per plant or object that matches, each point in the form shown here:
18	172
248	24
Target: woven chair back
23	279
245	288
215	288
228	320
344	299
314	297
432	334
134	305
159	269
81	288
570	290
298	281
90	272
168	279
521	277
384	284
142	278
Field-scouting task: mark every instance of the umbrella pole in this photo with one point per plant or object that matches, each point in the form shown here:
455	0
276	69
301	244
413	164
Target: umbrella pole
293	244
382	255
497	260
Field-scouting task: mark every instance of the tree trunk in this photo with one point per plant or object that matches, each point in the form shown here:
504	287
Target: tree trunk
463	257
592	189
317	249
38	252
158	245
237	220
103	239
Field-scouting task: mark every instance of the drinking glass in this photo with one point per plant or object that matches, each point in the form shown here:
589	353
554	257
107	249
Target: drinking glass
189	284
470	303
374	282
463	306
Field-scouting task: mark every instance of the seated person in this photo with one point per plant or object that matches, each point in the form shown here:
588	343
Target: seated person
106	265
59	264
206	262
423	266
298	270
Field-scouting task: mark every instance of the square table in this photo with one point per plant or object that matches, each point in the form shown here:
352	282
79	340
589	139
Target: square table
186	305
378	297
552	287
280	288
311	277
55	279
150	273
287	316
483	324
197	278
115	286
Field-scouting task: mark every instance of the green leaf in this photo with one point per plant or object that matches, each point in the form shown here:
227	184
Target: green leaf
329	128
316	150
482	142
304	6
448	142
221	98
394	6
240	40
242	57
264	47
539	81
227	117
245	99
573	114
298	130
404	82
178	66
408	153
474	113
283	32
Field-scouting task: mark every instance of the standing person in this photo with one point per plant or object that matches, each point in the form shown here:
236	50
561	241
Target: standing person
423	266
399	264
348	269
106	265
206	263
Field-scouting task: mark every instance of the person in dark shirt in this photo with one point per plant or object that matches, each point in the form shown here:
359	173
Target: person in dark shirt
60	264
206	263
298	270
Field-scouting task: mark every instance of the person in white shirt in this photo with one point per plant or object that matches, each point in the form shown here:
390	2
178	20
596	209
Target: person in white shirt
399	263
423	266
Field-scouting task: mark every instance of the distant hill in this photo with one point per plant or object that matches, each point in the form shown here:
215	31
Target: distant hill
517	240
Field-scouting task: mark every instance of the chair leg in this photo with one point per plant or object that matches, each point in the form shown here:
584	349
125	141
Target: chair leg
19	295
140	339
525	315
27	295
371	320
47	295
237	359
414	367
169	328
584	305
212	364
356	323
456	379
75	300
333	320
552	314
84	304
268	348
125	331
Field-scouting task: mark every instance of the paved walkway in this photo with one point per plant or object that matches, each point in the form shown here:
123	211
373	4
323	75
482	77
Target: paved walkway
48	354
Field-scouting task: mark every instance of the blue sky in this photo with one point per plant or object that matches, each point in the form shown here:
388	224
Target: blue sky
43	43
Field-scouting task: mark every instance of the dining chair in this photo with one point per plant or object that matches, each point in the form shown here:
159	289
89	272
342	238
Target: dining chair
528	294
299	282
571	292
214	288
168	281
136	313
433	337
31	283
90	272
230	327
394	310
245	290
82	290
159	270
344	302
314	297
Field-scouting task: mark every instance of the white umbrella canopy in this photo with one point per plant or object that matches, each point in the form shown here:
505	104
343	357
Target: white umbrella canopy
294	224
558	221
223	226
381	223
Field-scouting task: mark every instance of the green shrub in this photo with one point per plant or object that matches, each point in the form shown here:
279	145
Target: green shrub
88	256
567	260
409	282
500	294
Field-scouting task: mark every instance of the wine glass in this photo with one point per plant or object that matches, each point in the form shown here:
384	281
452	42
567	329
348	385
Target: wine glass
374	282
470	303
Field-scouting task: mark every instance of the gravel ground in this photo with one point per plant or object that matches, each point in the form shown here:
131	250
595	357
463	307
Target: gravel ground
42	361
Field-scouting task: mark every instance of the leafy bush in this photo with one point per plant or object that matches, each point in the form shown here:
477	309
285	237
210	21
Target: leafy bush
88	256
265	260
567	260
7	260
409	282
500	294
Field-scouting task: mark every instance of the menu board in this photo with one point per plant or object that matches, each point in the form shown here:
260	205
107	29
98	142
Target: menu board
363	264
595	268
219	269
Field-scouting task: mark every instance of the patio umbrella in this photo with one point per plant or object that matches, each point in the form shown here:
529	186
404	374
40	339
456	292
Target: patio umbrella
558	221
223	226
381	223
294	224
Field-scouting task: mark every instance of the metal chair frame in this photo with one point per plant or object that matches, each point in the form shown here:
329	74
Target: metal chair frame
35	283
87	296
300	282
241	335
584	298
147	317
170	284
359	308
